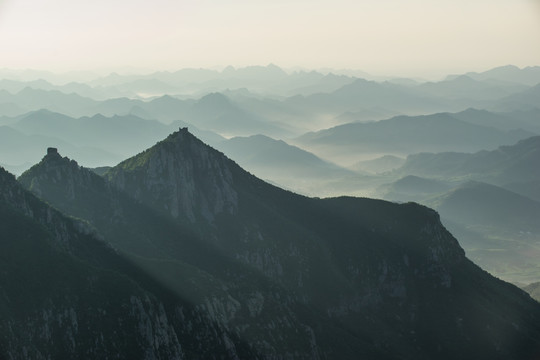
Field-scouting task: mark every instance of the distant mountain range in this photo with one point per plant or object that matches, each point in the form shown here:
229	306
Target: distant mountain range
99	140
489	205
412	188
281	163
498	228
263	100
525	100
534	290
523	119
507	164
405	135
465	89
269	80
216	112
381	164
508	74
363	94
19	148
487	199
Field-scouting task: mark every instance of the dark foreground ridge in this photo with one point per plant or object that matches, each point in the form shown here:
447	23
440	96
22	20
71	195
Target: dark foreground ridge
208	261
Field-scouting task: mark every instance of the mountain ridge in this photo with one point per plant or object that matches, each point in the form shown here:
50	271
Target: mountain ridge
80	298
351	271
404	135
506	164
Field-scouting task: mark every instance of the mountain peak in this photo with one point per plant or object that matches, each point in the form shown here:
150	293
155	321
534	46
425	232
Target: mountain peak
198	177
53	156
6	175
52	151
464	79
54	170
215	98
183	138
182	132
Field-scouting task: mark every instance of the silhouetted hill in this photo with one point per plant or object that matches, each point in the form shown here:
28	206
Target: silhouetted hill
482	204
17	148
342	277
380	164
527	119
525	100
122	135
507	164
530	189
29	99
534	290
15	86
509	73
281	163
319	84
468	90
67	294
524	120
217	113
167	108
498	228
411	188
271	155
267	80
407	135
362	94
116	137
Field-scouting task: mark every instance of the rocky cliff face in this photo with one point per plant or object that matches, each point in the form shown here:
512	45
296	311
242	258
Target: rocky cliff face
292	277
66	294
179	177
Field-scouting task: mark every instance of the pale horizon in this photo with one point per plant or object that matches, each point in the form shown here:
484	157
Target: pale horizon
395	38
82	75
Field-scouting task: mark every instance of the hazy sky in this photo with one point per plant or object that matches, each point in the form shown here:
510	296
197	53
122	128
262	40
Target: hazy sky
398	37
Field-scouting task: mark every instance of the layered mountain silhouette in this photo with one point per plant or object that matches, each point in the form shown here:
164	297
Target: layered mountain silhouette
216	112
262	79
120	135
525	100
497	227
380	164
534	290
96	140
14	86
508	164
488	205
412	188
525	119
278	275
464	89
362	94
21	148
281	163
529	75
408	135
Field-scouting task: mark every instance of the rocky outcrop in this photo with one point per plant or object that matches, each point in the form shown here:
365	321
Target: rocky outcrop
180	177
